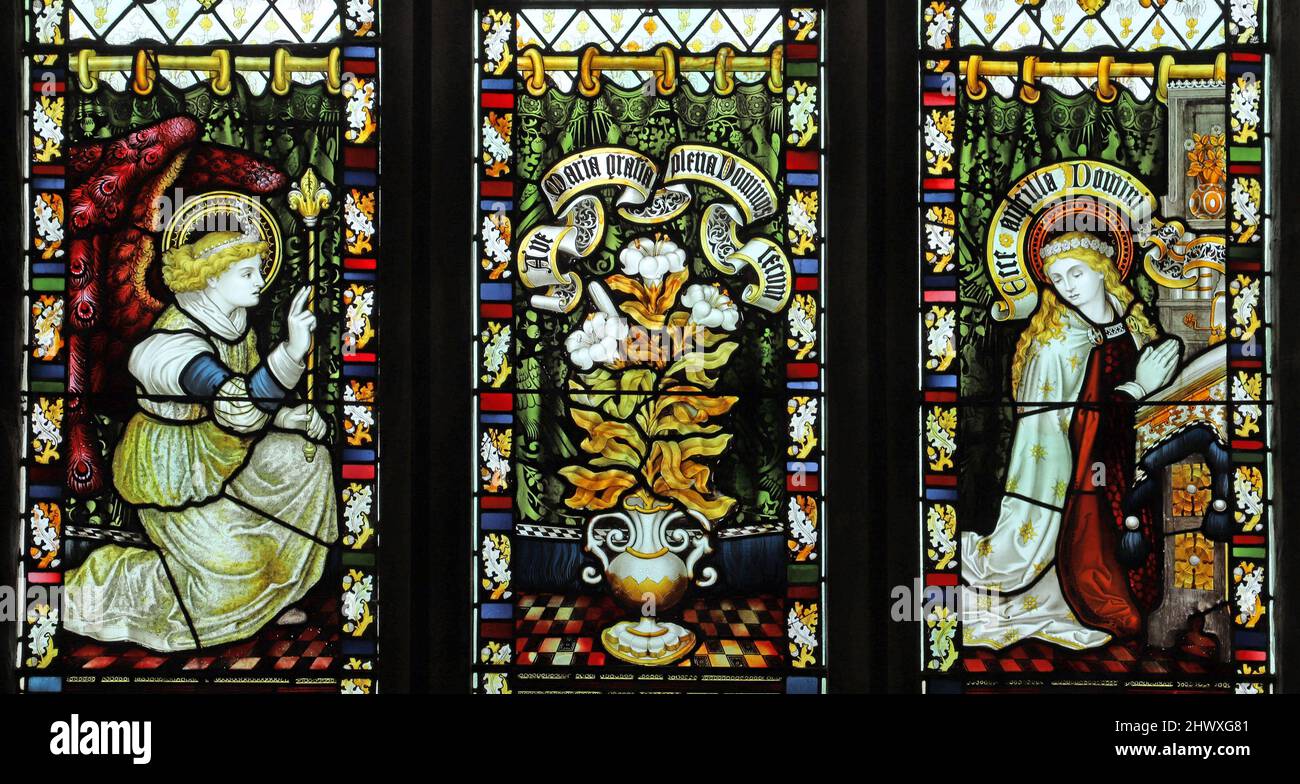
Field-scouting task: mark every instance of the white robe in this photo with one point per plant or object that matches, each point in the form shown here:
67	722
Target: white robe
1010	590
240	519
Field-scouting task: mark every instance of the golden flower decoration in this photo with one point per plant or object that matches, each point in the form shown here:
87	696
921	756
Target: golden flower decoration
1193	562
1191	490
1207	157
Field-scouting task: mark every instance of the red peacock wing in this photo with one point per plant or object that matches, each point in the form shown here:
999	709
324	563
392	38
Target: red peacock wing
118	193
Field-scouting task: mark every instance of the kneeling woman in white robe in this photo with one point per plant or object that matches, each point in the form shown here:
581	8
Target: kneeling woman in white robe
1050	569
216	465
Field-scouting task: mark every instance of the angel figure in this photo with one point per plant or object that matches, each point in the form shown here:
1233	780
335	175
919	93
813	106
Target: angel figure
214	462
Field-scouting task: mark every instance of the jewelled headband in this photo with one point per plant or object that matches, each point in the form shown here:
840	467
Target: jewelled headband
248	235
1078	243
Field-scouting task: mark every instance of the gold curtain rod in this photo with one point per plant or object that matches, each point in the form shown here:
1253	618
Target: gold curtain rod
665	62
145	64
1028	70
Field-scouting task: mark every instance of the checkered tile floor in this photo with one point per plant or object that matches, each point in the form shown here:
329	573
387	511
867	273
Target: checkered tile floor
1121	658
308	649
554	630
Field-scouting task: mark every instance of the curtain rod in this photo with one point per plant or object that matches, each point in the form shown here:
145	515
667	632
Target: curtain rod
145	64
1029	69
665	62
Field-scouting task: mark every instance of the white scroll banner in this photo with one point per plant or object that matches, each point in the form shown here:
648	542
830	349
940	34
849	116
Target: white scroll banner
751	198
538	257
1177	256
725	251
1080	181
598	167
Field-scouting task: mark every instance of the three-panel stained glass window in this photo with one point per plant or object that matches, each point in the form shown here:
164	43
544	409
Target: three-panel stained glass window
201	398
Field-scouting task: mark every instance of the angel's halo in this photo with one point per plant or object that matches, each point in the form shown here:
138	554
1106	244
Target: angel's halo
226	211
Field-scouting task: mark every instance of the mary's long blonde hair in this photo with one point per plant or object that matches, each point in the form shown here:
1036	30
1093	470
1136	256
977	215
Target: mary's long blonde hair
188	267
1049	319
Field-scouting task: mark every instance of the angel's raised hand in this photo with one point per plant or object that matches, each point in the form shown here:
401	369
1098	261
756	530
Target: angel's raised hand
300	324
299	302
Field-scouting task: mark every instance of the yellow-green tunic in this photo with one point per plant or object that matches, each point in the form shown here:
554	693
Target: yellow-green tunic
237	513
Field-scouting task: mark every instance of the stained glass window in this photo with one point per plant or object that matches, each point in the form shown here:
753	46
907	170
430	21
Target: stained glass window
648	345
199	475
1095	344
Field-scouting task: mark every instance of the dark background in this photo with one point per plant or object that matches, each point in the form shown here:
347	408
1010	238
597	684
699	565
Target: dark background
871	420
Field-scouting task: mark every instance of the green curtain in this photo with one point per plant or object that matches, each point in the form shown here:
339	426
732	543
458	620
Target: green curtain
303	128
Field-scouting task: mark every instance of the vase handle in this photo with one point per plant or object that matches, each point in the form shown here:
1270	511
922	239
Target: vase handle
617	539
698	543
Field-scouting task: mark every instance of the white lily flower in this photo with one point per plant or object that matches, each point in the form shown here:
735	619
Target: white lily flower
651	259
600	341
711	307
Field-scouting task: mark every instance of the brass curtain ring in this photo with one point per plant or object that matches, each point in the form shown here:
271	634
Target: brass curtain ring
589	77
280	72
1106	92
667	81
334	71
1162	78
536	81
1029	92
142	73
976	90
722	80
221	74
85	76
776	68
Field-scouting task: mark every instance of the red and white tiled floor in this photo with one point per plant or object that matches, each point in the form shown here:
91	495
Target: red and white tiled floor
564	631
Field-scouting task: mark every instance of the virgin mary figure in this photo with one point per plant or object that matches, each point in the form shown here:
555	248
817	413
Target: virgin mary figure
1051	569
240	517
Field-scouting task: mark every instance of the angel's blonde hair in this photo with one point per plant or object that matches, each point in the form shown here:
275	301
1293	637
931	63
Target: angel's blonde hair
188	267
1049	319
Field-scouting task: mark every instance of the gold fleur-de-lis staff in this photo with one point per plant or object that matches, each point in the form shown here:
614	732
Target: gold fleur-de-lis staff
308	198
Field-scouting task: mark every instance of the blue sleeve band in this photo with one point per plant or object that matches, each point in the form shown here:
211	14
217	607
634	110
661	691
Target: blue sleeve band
204	375
266	392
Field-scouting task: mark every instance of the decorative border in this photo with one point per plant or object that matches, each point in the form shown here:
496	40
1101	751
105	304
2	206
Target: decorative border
360	18
804	170
358	466
46	373
938	315
940	24
1249	337
494	505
